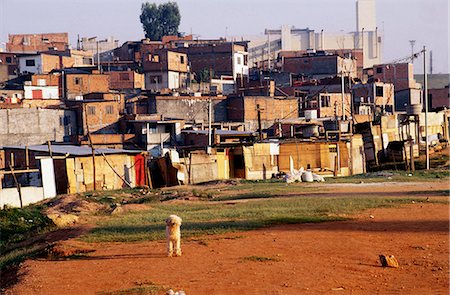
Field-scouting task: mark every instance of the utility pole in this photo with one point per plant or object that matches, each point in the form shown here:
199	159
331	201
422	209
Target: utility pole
343	92
425	95
259	122
210	113
209	122
268	50
98	57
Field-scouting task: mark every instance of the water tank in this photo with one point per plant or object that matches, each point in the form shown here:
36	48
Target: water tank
310	114
414	109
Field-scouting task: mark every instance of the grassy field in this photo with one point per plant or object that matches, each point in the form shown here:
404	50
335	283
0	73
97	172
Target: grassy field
221	217
220	208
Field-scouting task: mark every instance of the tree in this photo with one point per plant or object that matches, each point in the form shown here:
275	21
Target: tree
161	20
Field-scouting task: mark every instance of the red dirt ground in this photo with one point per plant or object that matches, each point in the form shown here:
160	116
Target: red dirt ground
326	258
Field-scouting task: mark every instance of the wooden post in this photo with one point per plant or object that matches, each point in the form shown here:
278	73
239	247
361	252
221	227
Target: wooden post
93	161
50	148
27	163
17	185
92	148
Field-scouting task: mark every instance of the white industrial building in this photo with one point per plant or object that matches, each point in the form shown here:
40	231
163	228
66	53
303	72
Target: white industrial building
366	37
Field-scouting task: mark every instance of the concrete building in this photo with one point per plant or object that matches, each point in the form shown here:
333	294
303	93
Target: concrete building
365	37
318	66
154	132
25	126
41	92
33	43
42	63
373	97
190	108
93	45
401	75
165	69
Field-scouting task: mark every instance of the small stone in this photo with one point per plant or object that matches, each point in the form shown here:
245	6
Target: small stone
371	216
388	261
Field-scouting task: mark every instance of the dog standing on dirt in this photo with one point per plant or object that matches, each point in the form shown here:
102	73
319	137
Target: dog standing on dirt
173	235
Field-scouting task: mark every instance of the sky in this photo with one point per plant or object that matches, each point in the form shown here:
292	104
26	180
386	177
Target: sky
426	21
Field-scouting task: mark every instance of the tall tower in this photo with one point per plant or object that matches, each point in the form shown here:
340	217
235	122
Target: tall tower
366	15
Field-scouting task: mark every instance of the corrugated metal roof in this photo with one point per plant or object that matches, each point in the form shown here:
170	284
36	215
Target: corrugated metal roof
73	150
221	132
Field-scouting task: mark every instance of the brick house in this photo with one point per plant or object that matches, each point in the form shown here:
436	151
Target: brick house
165	69
29	43
126	80
223	58
9	66
245	109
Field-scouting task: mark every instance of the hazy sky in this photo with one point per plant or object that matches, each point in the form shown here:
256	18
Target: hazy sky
426	21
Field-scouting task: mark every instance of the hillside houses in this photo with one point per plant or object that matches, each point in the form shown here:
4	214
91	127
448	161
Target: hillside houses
209	108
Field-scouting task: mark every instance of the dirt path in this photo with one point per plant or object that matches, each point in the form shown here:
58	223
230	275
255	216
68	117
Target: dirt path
327	258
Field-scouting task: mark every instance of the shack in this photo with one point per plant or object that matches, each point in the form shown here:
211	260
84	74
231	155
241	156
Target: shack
73	169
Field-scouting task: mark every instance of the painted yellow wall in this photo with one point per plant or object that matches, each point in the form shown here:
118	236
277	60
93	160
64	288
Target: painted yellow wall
80	172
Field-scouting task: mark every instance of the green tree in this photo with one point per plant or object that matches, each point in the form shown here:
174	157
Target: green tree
161	20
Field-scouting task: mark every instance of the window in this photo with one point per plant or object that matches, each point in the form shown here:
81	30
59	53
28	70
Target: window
8	59
325	101
152	128
155	79
182	59
379	70
379	91
332	148
154	58
26	40
77	80
245	60
238	60
30	63
109	109
87	61
91	110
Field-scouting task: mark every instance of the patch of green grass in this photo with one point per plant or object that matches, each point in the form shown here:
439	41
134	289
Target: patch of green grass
16	256
129	195
17	224
216	218
143	289
261	259
390	176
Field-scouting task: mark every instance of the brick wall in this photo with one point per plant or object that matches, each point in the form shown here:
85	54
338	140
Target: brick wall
79	84
401	75
37	42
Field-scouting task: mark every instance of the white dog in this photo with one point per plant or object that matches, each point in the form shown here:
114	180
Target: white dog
173	235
